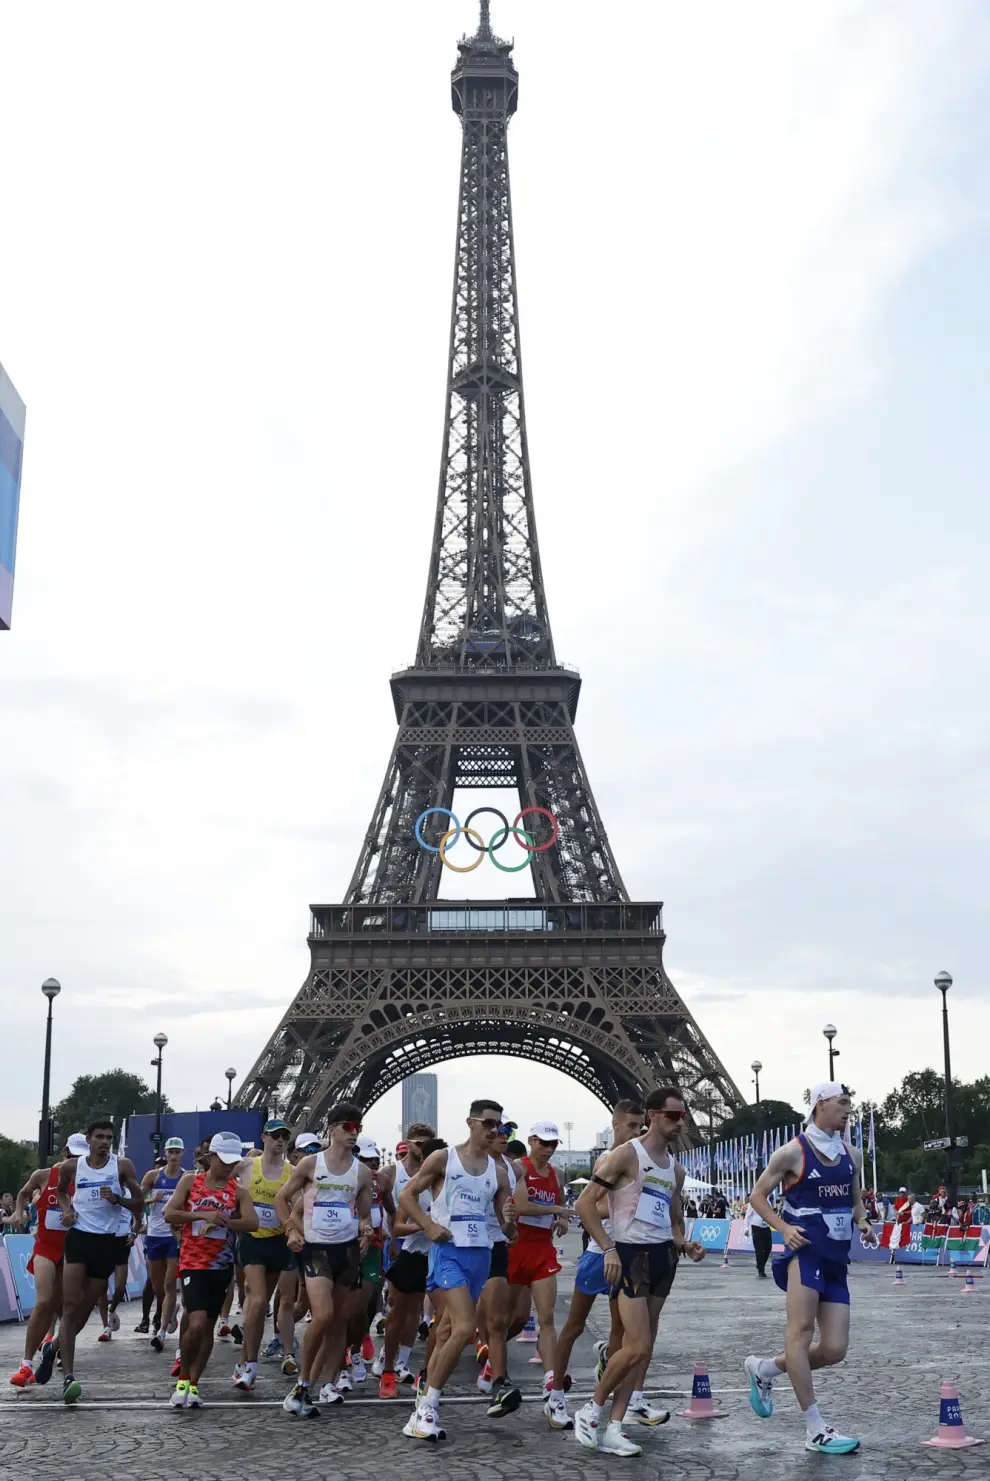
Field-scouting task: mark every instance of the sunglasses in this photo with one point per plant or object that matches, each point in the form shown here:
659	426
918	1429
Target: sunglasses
675	1115
279	1136
507	1129
487	1123
351	1125
545	1144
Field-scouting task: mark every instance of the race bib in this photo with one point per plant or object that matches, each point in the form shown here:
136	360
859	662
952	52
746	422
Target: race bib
331	1218
95	1195
267	1217
53	1218
376	1216
839	1225
654	1207
470	1231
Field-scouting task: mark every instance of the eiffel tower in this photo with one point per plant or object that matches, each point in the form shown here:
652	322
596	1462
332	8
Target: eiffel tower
572	976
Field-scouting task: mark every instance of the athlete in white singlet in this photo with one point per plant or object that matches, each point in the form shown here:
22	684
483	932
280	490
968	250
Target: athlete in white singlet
494	1306
406	1270
161	1247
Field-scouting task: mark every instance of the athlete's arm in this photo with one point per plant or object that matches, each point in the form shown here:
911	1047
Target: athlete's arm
502	1192
860	1217
432	1170
524	1204
690	1247
127	1173
362	1207
175	1211
34	1184
609	1171
66	1178
788	1159
297	1184
386	1199
246	1219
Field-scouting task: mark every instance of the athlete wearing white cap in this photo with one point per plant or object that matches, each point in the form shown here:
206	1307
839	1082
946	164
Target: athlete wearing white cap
821	1176
161	1246
533	1263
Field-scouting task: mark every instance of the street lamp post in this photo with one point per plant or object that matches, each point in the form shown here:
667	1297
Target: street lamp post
756	1067
231	1077
159	1041
943	982
51	988
830	1032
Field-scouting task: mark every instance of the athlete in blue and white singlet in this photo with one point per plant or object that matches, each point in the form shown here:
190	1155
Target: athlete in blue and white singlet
821	1177
161	1247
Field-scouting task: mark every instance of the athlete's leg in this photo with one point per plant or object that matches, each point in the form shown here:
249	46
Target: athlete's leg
459	1310
119	1286
259	1286
286	1316
320	1291
637	1345
802	1310
833	1335
636	1378
80	1295
577	1320
498	1326
196	1352
545	1300
170	1297
520	1305
46	1274
157	1277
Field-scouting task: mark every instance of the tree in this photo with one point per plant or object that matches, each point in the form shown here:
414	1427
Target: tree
753	1120
115	1093
17	1162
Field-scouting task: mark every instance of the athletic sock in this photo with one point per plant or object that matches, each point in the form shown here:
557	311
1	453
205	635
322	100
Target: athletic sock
814	1421
596	1409
251	1368
767	1370
636	1398
433	1397
403	1356
556	1395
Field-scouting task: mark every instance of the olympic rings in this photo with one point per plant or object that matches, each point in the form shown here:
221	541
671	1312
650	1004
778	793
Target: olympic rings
524	837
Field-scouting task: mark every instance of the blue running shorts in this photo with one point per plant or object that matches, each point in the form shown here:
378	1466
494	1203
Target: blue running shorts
589	1278
451	1266
164	1248
828	1277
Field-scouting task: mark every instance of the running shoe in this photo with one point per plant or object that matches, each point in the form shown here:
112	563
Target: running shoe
421	1383
330	1394
173	1324
486	1378
547	1384
289	1365
368	1349
193	1400
46	1363
223	1329
426	1425
378	1366
144	1325
176	1367
71	1390
380	1326
506	1400
114	1320
586	1427
404	1374
298	1401
244	1377
238	1335
272	1348
24	1376
760	1395
387	1386
158	1342
359	1372
645	1413
105	1335
344	1384
557	1415
614	1442
180	1398
831	1443
601	1360
481	1353
424	1331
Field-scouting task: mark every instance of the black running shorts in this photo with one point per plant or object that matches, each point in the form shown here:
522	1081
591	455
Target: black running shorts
407	1273
647	1269
499	1269
97	1252
340	1263
204	1290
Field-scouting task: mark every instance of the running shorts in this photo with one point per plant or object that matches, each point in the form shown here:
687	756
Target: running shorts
340	1263
371	1267
647	1269
273	1253
589	1278
828	1277
161	1247
123	1250
48	1249
499	1269
97	1252
533	1259
407	1273
204	1290
452	1266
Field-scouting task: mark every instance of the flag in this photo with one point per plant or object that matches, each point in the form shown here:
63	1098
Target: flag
858	1132
895	1234
872	1145
957	1240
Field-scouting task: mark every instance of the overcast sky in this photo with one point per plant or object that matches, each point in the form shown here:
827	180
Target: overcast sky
752	247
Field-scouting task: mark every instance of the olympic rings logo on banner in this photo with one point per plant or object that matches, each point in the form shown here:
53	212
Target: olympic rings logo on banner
523	837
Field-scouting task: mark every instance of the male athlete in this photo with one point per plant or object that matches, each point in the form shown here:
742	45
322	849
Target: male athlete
464	1182
644	1182
335	1206
494	1308
365	1306
161	1247
264	1254
45	1264
589	1283
407	1269
209	1209
90	1196
822	1178
533	1263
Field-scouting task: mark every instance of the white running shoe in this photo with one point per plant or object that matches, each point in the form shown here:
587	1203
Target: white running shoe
557	1415
760	1394
105	1335
614	1442
114	1321
330	1394
547	1385
586	1427
359	1372
342	1382
404	1374
244	1378
179	1398
829	1442
426	1424
378	1366
486	1378
645	1413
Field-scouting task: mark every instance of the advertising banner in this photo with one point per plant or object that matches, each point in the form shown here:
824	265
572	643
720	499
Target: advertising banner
712	1233
8	1296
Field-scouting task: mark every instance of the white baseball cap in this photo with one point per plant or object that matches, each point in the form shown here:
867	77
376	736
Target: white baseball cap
827	1090
307	1139
366	1146
77	1144
227	1147
175	1144
546	1131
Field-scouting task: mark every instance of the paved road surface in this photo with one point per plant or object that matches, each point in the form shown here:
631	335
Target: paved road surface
904	1342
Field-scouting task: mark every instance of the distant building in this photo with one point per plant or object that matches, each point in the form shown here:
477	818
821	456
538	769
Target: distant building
419	1101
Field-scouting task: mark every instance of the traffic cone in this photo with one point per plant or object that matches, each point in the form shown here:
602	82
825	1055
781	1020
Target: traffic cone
535	1359
702	1405
898	1276
725	1260
528	1333
951	1433
970	1287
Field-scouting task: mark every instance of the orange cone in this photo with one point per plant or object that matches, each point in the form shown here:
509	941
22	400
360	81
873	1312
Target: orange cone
702	1405
951	1433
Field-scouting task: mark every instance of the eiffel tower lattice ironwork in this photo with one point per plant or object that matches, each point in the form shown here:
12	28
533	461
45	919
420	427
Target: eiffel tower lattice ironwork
401	980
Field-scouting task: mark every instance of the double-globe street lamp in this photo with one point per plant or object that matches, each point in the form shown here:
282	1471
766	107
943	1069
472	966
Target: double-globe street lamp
830	1032
231	1075
159	1041
756	1067
51	987
943	982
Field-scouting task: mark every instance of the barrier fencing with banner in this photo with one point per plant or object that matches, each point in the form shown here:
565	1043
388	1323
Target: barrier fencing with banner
17	1293
719	1235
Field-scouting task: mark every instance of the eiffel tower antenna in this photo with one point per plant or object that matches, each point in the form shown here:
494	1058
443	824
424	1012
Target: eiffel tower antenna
572	976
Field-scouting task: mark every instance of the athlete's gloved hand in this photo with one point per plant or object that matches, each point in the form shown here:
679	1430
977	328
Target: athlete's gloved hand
793	1237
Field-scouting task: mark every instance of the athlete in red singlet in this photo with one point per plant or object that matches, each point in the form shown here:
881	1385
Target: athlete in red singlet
533	1263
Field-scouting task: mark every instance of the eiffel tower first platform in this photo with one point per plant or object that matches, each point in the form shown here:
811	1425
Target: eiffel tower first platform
573	975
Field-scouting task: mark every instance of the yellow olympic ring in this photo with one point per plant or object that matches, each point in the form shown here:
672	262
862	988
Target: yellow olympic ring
459	868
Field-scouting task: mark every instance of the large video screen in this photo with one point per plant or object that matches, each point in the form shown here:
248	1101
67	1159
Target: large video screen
11	454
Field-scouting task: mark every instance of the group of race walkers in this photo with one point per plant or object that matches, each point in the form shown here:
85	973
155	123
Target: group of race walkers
464	1233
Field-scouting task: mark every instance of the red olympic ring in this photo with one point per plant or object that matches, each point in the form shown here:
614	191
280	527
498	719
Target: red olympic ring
539	848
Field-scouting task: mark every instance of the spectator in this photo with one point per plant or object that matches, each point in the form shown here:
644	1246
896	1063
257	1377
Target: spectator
917	1211
762	1238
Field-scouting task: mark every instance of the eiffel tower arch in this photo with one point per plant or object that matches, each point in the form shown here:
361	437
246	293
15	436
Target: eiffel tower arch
571	976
